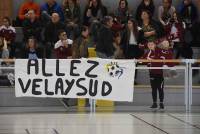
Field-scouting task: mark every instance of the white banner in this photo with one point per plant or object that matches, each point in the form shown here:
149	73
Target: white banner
84	78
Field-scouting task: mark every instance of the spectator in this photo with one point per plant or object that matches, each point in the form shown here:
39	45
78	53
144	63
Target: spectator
51	33
6	79
104	46
72	13
80	46
165	12
32	50
94	11
122	12
118	53
156	75
145	5
50	7
32	27
8	33
24	8
175	30
188	12
63	46
149	29
129	41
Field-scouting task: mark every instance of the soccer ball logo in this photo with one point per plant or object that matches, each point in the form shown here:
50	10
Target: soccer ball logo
114	70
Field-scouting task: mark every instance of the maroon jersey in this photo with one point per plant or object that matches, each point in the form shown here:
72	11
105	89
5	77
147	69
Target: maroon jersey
160	54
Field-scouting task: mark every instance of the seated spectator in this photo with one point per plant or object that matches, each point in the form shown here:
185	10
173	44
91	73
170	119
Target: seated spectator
149	29
122	12
118	52
175	29
105	48
145	5
80	46
63	46
129	41
188	12
8	33
51	33
24	8
72	13
6	78
32	26
32	50
48	8
94	11
165	12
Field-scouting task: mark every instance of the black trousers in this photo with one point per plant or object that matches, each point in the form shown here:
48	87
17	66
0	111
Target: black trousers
157	84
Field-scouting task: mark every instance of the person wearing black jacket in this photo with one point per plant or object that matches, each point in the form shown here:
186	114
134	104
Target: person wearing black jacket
104	47
51	33
32	26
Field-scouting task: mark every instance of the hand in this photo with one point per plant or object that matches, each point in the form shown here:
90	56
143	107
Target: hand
89	13
65	43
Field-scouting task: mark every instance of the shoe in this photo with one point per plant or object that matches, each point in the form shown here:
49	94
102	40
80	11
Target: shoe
162	106
154	105
11	79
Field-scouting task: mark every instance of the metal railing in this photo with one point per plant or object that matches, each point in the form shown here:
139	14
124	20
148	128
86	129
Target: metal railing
187	67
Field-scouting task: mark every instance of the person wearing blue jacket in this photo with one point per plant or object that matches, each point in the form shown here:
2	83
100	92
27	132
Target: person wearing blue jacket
51	6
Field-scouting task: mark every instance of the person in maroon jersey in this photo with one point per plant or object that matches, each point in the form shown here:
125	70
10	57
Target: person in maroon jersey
156	75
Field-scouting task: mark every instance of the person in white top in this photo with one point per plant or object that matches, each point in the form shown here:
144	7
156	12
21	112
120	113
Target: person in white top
63	46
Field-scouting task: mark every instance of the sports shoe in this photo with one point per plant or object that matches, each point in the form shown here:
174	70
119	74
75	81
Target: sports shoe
154	105
162	106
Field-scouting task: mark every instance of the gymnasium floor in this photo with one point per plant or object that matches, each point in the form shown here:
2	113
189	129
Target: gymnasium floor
101	123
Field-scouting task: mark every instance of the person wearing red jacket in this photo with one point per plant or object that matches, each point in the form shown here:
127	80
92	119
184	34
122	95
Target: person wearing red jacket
156	75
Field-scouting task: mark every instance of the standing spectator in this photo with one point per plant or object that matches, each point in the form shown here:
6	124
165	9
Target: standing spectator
8	33
50	7
32	26
63	46
156	75
32	50
165	12
80	46
145	5
51	33
104	46
188	12
72	13
122	12
150	30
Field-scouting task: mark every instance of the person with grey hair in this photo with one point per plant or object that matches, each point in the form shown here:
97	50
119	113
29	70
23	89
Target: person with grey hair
104	47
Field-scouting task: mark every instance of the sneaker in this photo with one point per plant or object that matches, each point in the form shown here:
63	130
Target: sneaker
162	106
154	105
11	78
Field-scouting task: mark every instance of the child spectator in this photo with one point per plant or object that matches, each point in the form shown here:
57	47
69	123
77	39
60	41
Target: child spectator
32	51
63	46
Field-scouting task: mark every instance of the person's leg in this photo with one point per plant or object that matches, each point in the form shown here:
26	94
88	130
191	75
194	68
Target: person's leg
154	90
160	83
